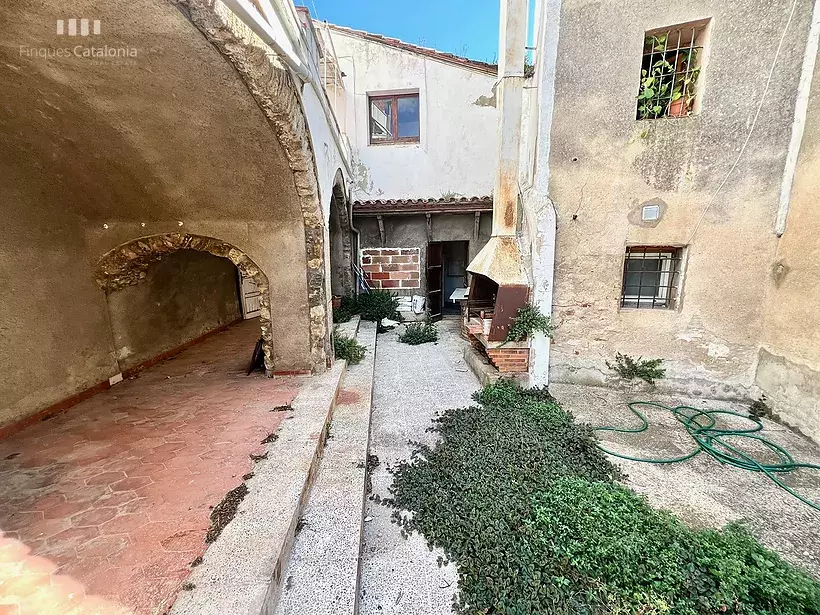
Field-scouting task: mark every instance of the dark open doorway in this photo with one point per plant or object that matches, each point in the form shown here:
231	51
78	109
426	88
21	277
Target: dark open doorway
446	272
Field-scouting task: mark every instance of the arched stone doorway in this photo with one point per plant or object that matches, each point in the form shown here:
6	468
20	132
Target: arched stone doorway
341	241
205	131
126	265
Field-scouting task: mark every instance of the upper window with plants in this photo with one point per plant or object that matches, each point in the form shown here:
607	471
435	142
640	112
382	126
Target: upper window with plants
671	71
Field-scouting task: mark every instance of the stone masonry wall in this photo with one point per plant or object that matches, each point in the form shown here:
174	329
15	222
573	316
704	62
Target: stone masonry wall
391	267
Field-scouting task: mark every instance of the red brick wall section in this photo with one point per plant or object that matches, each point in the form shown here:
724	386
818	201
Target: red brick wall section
391	268
510	360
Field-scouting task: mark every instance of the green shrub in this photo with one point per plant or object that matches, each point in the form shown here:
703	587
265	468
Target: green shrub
528	321
640	560
519	496
347	348
348	309
628	368
471	493
377	305
419	333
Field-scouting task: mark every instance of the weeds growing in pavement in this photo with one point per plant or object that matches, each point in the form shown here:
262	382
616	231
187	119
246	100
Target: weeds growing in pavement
347	348
419	333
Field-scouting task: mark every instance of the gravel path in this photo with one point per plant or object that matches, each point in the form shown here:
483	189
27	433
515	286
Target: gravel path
411	384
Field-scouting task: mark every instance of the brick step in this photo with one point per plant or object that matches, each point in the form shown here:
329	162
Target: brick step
323	575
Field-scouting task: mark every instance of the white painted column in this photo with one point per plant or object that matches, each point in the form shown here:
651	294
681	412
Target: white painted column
539	208
799	123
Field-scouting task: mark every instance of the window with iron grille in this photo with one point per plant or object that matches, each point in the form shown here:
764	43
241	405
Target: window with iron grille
394	119
671	71
651	277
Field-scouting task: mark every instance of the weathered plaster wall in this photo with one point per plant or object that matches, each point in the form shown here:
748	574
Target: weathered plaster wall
199	131
788	371
329	159
54	333
331	168
411	232
457	149
184	295
604	164
341	247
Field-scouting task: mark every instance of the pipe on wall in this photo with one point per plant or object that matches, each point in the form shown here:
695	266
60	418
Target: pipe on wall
512	48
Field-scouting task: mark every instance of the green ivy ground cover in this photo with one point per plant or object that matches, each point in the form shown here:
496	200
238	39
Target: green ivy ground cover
517	494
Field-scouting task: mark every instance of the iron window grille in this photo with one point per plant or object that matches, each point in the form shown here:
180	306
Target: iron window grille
394	119
670	71
651	277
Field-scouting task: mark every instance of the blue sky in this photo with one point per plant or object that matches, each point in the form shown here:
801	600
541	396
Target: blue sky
464	27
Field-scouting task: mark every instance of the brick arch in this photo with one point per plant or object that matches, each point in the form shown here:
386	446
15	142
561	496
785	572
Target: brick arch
276	93
126	265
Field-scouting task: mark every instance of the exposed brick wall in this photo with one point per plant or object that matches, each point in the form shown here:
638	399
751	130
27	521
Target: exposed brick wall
510	360
392	267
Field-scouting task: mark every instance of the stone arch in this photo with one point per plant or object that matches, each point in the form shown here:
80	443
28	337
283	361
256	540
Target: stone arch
127	264
340	232
273	87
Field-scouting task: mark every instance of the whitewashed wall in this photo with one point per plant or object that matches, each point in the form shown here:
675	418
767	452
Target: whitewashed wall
330	158
457	148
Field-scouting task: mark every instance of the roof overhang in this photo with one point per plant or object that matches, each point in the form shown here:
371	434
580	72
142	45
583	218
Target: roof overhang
408	207
441	56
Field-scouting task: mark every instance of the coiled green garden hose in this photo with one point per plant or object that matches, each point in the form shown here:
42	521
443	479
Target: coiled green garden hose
702	427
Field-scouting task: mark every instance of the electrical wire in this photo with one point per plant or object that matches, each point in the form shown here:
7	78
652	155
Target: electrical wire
751	128
702	427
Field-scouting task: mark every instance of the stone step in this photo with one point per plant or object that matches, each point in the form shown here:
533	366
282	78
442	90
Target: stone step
323	575
241	572
351	327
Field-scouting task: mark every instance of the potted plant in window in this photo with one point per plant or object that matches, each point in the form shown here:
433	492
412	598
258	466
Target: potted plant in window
654	94
667	88
683	91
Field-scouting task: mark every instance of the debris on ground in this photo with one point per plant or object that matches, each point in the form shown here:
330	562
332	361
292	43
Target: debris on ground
225	511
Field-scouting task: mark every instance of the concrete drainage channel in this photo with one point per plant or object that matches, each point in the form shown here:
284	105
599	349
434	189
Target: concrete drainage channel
293	547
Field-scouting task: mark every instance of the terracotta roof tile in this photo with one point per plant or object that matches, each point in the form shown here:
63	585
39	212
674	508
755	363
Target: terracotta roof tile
411	206
484	67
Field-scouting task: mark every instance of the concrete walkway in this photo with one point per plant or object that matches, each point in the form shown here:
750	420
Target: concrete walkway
411	384
322	575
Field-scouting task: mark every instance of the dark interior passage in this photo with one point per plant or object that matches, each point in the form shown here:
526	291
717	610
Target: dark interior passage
454	264
183	296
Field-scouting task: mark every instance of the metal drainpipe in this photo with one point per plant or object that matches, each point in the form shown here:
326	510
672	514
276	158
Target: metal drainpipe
512	43
354	229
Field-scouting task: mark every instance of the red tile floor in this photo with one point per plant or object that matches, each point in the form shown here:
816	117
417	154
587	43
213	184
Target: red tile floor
111	499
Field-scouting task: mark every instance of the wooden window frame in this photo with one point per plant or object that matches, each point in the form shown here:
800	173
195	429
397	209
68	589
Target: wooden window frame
394	123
